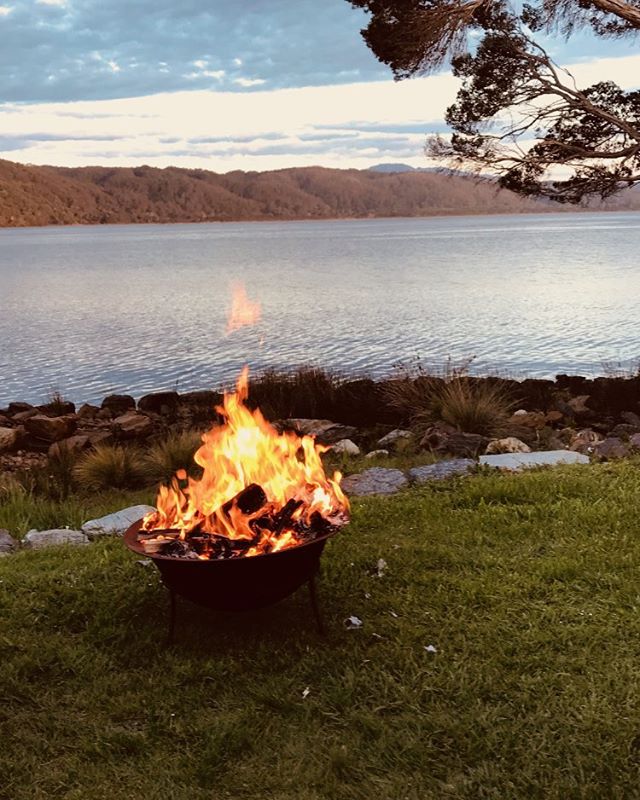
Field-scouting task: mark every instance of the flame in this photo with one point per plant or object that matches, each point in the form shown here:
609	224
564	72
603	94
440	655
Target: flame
243	311
247	451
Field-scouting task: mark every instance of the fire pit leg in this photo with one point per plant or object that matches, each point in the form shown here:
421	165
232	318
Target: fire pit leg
172	617
313	594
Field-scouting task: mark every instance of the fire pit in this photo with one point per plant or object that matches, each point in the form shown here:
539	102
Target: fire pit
251	527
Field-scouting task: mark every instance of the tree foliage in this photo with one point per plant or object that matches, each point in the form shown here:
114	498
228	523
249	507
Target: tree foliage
518	115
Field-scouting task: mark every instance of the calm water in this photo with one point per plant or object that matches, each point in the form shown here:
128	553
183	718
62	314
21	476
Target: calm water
90	310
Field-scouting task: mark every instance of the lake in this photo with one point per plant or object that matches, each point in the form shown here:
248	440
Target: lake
137	308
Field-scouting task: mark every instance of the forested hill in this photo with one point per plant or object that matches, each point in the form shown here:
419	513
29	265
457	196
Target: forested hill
32	195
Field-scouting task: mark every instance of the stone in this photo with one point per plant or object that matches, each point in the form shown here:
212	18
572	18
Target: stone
325	431
610	449
346	446
529	419
57	408
584	441
508	445
441	470
16	408
133	425
624	430
159	402
37	540
579	404
50	429
376	480
9	438
553	416
117	523
393	437
100	437
631	418
74	444
21	416
87	411
466	445
517	461
118	403
201	398
377	454
521	412
7	543
634	441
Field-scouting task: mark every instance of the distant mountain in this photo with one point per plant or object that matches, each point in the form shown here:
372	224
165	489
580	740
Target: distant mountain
88	195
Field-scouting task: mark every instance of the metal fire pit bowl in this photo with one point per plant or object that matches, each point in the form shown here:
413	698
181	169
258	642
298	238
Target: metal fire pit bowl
237	584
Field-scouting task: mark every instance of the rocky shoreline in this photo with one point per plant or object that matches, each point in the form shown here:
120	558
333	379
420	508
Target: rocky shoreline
599	417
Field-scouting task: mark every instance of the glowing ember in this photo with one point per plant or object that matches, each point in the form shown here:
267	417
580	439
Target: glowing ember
260	491
243	311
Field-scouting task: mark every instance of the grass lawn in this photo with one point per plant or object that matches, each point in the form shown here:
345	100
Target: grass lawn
527	586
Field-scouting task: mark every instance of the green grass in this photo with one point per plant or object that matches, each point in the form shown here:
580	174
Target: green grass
527	585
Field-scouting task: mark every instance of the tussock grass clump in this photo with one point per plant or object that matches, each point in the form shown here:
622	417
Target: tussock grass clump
469	404
165	458
110	467
307	392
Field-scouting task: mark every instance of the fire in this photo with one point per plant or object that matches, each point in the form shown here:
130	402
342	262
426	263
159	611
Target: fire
243	311
260	491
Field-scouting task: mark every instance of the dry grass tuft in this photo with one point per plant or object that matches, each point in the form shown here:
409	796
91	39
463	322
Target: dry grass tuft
110	467
165	458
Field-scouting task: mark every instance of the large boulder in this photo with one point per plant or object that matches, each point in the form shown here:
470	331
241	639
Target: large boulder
376	480
50	429
133	426
610	449
118	403
57	408
38	540
72	445
117	523
164	403
87	411
9	438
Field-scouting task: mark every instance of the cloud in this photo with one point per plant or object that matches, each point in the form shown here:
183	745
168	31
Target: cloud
150	46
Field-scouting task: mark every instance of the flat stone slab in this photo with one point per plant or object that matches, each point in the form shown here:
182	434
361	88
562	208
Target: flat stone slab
116	524
547	458
376	480
441	470
37	540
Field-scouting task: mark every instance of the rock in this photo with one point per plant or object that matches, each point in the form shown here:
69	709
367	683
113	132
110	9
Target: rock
117	523
7	543
579	404
535	420
624	430
441	470
159	402
611	448
118	403
100	437
346	446
376	480
21	416
9	438
516	461
393	437
634	441
325	431
105	414
87	411
16	408
466	445
57	408
584	441
133	425
508	445
631	418
377	454
37	540
74	444
50	429
435	436
521	412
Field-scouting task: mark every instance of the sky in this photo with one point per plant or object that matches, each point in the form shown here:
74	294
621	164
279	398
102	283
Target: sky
223	85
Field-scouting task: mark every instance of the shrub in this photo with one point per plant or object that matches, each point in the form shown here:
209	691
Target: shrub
110	467
165	458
